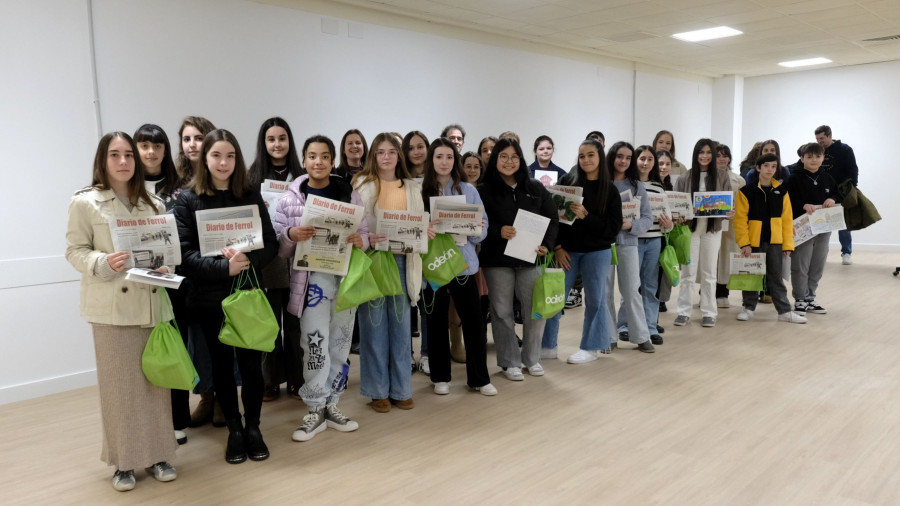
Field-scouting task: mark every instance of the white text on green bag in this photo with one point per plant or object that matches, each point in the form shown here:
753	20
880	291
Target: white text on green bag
554	299
441	260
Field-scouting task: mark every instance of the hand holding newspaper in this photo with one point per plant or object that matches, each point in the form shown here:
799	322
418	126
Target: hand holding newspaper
151	241
562	197
234	227
680	205
406	231
328	250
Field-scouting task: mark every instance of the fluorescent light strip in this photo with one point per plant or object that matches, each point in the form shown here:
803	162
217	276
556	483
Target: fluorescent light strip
804	63
707	34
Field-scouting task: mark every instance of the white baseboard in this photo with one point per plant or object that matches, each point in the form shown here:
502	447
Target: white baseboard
23	391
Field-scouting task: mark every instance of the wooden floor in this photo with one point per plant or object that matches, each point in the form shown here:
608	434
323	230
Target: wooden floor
753	412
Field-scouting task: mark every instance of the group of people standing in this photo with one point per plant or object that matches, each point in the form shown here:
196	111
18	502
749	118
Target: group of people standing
138	176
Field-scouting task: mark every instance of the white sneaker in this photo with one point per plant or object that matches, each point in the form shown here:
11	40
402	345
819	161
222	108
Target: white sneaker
514	374
723	302
488	389
536	370
424	367
549	353
123	481
791	317
845	259
180	437
313	423
745	315
442	388
583	357
162	471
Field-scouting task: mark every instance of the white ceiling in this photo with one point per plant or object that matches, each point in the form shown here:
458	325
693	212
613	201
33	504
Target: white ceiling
640	30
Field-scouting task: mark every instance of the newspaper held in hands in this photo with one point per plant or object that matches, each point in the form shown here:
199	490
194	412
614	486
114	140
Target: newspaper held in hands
530	230
458	219
562	197
546	177
753	264
680	205
713	204
271	191
152	277
802	230
659	205
232	227
328	250
631	211
406	231
827	219
152	241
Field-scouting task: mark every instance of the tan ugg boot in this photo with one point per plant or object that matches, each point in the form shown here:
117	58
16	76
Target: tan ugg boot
457	348
203	412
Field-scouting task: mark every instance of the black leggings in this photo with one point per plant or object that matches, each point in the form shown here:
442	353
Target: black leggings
468	307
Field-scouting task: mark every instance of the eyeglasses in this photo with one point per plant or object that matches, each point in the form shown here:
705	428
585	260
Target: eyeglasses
508	158
381	154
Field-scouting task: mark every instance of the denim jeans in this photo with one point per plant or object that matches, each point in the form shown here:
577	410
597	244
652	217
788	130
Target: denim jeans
504	283
384	345
846	242
629	272
648	256
593	266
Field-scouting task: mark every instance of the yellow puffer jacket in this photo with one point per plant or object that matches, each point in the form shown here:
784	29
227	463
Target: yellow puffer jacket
753	207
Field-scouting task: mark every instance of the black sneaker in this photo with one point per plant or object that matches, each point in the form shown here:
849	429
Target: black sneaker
662	307
660	329
623	335
574	299
812	307
656	339
646	347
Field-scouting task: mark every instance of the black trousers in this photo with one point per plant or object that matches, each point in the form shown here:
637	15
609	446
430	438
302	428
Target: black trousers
249	363
468	306
181	408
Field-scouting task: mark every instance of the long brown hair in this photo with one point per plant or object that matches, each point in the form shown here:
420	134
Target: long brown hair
431	187
369	172
100	178
238	182
182	163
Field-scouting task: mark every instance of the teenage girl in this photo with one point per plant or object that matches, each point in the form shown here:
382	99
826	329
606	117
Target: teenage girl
473	167
665	141
385	375
768	147
664	161
326	334
506	188
276	159
223	182
585	248
444	176
415	149
485	148
353	154
729	246
191	134
161	179
136	416
706	236
622	166
543	157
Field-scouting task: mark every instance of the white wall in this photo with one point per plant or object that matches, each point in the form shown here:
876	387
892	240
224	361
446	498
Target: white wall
860	104
238	63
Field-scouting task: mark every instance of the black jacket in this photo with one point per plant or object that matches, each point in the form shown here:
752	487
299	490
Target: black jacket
840	163
501	203
601	226
208	276
805	187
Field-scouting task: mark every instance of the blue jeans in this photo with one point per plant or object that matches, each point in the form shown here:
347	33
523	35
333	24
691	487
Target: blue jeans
648	256
384	345
846	242
594	267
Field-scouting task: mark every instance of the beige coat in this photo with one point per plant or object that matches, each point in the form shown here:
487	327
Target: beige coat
109	300
414	203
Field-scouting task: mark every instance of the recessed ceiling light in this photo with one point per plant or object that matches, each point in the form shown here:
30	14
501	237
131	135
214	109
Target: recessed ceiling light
707	34
803	63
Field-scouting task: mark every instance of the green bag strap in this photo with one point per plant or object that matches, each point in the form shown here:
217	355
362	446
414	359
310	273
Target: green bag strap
164	296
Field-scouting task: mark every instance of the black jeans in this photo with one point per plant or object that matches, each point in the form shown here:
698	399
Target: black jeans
468	306
249	362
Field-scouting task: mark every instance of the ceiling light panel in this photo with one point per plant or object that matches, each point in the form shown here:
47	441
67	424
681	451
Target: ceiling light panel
707	34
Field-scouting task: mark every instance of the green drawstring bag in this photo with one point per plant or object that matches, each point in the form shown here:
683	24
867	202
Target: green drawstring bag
615	258
249	320
385	272
549	294
165	360
680	239
443	262
746	282
668	260
358	286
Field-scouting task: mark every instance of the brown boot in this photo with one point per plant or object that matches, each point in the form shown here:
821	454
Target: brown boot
457	348
218	418
203	412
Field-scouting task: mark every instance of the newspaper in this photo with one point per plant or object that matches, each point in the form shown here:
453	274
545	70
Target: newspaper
827	219
571	190
151	240
753	264
530	230
406	231
546	177
328	250
713	204
802	230
659	205
680	205
456	199
152	277
562	199
631	211
234	227
457	219
271	191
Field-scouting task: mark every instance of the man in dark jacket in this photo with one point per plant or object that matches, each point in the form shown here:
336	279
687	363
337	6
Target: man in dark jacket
840	163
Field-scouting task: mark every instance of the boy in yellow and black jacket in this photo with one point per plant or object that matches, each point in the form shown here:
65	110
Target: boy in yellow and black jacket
764	223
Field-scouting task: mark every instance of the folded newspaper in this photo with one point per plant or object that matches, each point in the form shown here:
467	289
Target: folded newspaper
406	231
234	227
151	240
328	250
271	191
563	197
454	218
152	277
753	264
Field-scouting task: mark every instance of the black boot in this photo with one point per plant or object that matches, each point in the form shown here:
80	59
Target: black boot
234	451
256	447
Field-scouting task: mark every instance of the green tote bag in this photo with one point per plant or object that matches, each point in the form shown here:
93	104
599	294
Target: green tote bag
668	260
249	320
443	262
680	239
165	360
549	294
358	286
385	272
